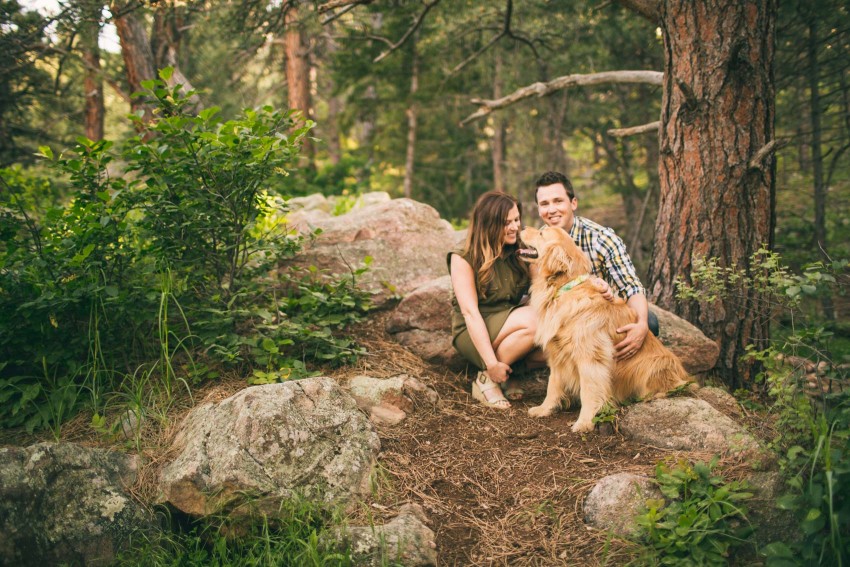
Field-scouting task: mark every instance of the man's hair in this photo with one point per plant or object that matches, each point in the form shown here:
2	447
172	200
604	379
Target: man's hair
551	178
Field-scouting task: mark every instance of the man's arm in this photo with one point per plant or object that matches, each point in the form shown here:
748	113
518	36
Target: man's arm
622	272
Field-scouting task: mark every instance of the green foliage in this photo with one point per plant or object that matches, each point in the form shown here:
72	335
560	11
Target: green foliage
291	537
703	520
816	465
813	419
160	271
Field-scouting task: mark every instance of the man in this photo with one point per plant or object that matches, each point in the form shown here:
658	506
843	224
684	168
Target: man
556	204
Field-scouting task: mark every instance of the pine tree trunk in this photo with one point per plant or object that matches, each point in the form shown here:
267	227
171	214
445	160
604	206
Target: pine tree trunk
92	81
166	45
298	75
136	51
411	112
717	113
498	147
813	72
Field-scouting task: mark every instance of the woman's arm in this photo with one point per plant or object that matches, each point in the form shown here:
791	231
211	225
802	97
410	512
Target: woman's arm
463	283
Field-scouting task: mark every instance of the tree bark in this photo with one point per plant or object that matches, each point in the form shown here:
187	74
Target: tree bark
298	75
137	54
166	43
498	146
95	110
411	112
813	75
717	113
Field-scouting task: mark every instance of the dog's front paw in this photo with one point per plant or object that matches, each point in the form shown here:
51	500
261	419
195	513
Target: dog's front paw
583	426
540	411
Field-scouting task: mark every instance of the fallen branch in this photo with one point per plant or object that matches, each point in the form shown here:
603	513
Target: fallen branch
543	89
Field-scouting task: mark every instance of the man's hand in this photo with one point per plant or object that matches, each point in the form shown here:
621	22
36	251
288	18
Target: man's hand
603	287
630	345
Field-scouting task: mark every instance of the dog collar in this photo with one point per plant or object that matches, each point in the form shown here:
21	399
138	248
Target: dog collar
570	285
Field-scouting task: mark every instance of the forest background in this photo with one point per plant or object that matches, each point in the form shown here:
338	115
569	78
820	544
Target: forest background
390	96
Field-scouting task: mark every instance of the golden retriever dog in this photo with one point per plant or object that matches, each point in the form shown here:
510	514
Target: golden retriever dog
576	328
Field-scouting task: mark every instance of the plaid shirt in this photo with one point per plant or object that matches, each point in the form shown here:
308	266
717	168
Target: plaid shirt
608	256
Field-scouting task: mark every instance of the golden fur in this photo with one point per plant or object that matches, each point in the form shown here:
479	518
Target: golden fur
577	331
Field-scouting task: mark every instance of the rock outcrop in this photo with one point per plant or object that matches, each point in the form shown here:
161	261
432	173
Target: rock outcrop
62	503
268	443
407	241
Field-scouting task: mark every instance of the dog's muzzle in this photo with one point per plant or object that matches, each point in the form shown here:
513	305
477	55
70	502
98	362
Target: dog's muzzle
527	252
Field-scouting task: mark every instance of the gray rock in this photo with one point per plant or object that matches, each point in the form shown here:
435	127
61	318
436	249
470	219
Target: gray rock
387	400
405	540
422	322
62	503
267	443
720	399
407	241
697	352
772	524
689	424
616	500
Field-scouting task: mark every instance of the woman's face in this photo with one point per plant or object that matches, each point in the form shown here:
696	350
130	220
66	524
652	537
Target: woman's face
512	226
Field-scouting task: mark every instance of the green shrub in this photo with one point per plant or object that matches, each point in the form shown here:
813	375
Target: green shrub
160	259
703	520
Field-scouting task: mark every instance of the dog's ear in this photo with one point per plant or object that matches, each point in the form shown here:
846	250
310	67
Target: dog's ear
556	260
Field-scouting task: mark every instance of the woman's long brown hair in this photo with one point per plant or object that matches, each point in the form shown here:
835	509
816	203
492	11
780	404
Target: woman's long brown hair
485	238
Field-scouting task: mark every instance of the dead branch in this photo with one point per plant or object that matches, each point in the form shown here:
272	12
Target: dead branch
772	146
328	19
642	129
334	4
543	89
408	33
649	9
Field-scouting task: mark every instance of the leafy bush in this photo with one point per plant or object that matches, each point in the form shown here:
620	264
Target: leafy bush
813	420
703	521
165	259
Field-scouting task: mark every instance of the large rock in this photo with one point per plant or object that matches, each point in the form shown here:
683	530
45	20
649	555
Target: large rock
405	540
62	503
772	523
407	241
697	352
689	424
422	322
267	443
616	500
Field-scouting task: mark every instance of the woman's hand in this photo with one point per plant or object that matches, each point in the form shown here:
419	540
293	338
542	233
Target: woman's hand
498	372
603	287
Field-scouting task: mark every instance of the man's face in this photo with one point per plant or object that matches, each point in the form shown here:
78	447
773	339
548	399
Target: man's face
555	206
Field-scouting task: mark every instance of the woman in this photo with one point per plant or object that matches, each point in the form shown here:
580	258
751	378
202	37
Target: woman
489	326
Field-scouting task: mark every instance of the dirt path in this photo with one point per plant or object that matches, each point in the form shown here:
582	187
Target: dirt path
500	487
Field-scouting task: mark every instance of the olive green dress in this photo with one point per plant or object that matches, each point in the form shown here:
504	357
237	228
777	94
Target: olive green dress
503	295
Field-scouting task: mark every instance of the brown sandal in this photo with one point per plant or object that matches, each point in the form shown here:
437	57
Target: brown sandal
484	390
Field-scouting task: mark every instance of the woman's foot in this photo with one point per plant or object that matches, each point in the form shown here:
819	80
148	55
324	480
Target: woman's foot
489	393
